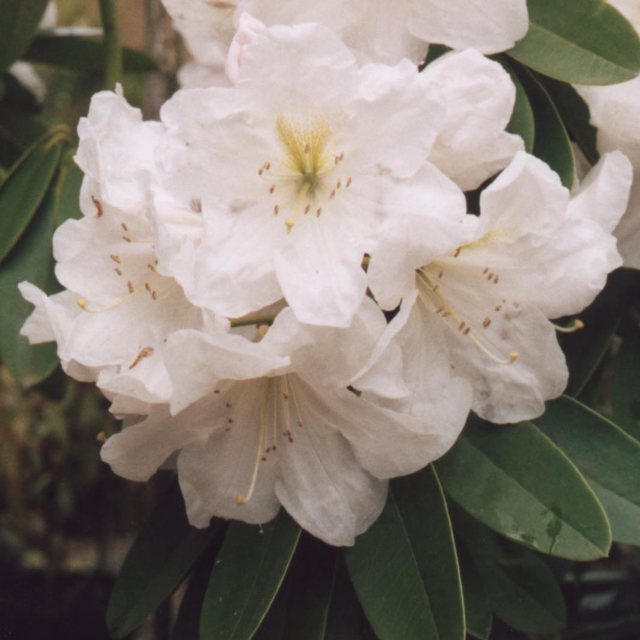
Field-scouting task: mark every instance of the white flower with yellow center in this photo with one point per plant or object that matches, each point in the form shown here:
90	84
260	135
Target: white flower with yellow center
532	254
291	167
117	309
291	436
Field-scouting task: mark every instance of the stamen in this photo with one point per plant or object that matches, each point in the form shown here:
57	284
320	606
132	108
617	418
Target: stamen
98	206
144	353
576	325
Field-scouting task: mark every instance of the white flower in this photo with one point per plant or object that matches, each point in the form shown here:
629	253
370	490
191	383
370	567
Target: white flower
291	179
531	255
118	309
291	435
376	30
615	111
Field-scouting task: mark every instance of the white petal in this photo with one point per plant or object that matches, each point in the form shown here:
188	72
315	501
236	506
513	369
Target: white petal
322	485
487	25
479	95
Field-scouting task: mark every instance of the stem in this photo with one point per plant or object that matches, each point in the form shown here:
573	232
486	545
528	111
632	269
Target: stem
113	50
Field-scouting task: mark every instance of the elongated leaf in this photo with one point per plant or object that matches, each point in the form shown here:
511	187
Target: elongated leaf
521	589
17	133
68	191
404	568
82	54
522	120
575	114
162	555
477	612
625	386
607	457
585	42
316	600
246	577
31	259
552	143
516	481
586	349
24	189
20	19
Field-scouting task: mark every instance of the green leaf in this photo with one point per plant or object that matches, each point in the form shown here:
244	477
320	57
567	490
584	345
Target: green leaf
585	42
516	481
404	568
17	133
161	556
521	589
477	612
624	384
606	456
31	259
68	191
246	577
552	143
83	55
586	349
24	189
316	600
522	121
575	114
20	19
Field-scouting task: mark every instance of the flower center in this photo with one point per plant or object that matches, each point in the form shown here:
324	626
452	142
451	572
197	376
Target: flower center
301	183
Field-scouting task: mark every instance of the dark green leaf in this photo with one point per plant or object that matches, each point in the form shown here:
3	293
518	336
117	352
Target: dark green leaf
521	589
404	568
477	611
68	191
522	120
625	384
246	577
516	481
17	133
83	55
585	349
606	456
31	259
575	115
24	189
20	19
161	556
585	42
552	143
316	600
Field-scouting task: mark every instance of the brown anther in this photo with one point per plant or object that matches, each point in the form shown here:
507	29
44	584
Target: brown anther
332	195
147	287
285	396
267	166
463	324
115	259
98	206
456	253
216	391
276	210
299	423
130	286
124	226
290	440
486	322
339	184
485	271
126	238
151	267
263	458
307	209
496	279
272	188
440	275
498	307
196	205
490	276
228	405
154	295
230	420
260	172
118	271
349	181
466	331
318	212
144	353
435	288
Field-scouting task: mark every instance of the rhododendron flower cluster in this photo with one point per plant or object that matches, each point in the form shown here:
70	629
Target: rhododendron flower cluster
280	284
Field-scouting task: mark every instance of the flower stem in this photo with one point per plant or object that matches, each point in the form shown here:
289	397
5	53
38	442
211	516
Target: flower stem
113	50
